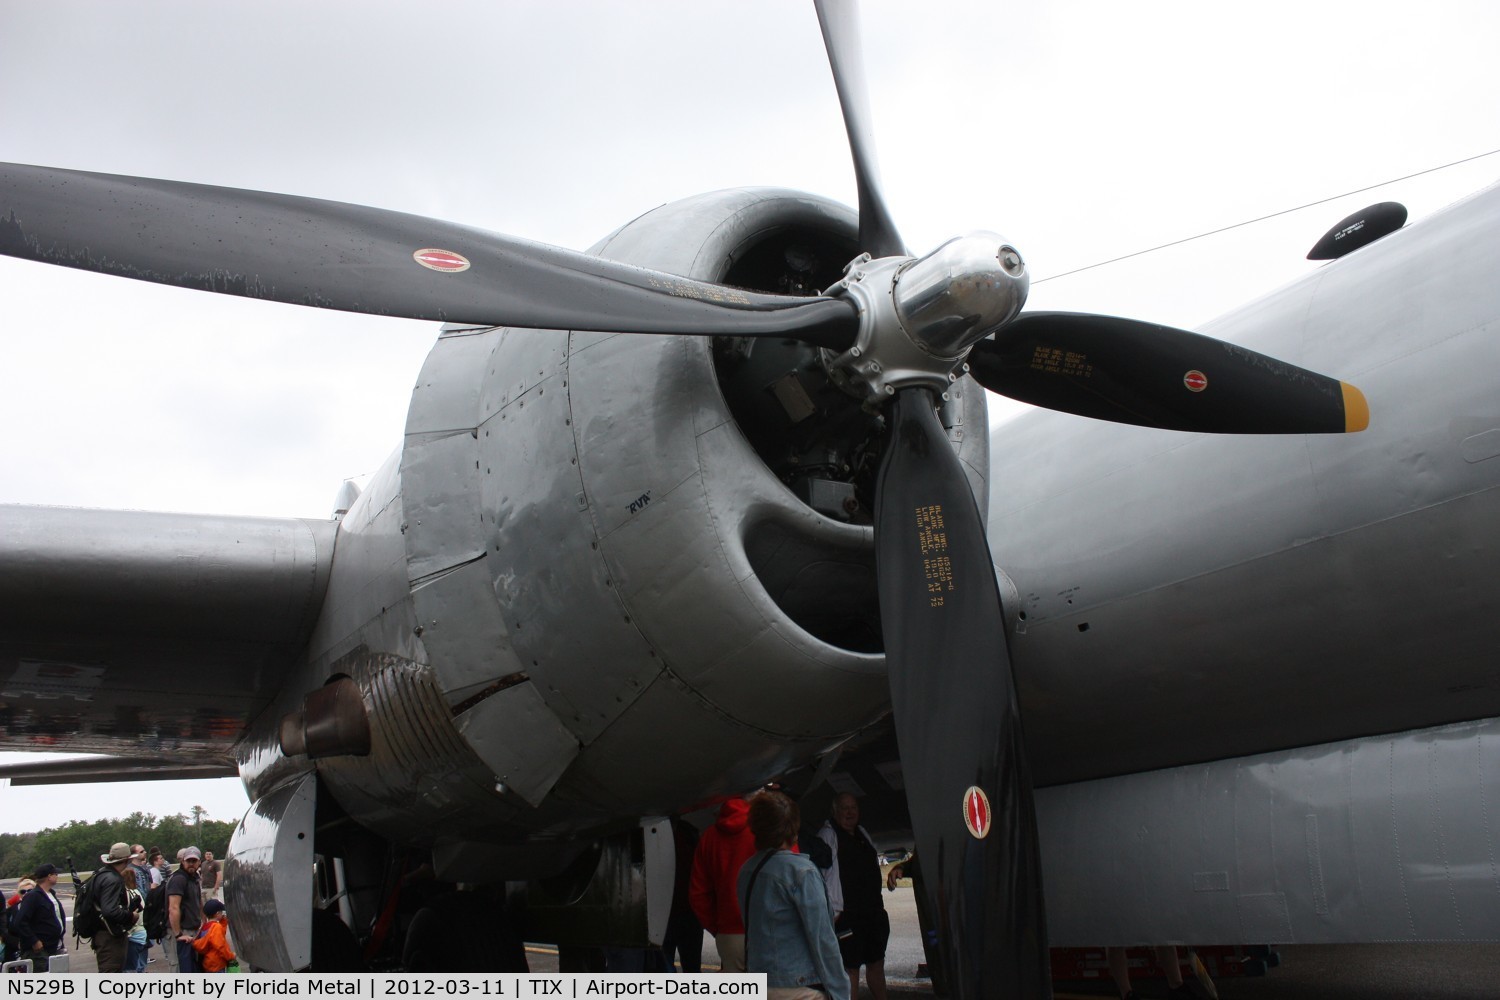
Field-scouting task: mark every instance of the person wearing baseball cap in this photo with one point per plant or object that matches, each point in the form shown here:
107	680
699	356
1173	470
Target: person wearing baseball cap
213	944
185	908
40	920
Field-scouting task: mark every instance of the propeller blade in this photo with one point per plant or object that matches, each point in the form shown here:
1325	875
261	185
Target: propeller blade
334	255
840	23
1157	376
957	720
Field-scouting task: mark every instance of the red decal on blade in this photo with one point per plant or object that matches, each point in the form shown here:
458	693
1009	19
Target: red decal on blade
441	260
1195	380
977	812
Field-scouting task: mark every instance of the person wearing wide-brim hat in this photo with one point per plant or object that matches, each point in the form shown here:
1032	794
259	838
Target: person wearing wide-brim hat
117	854
109	894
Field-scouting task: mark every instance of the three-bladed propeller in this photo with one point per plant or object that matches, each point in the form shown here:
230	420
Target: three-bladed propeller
897	331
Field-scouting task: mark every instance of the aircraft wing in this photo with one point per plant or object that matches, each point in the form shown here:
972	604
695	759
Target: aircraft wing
147	634
86	770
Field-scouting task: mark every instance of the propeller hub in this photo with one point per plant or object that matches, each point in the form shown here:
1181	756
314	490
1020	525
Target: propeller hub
918	317
961	293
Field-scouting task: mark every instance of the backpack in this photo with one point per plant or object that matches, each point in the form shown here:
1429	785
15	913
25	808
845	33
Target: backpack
12	918
156	911
87	920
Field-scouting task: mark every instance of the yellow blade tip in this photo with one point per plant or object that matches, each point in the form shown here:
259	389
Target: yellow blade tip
1356	409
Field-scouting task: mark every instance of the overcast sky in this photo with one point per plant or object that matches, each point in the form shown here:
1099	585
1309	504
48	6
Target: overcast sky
1081	131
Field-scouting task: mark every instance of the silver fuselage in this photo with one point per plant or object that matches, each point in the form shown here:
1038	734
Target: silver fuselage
1257	674
1193	597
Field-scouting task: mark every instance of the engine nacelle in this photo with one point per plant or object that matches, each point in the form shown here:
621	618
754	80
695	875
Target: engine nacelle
602	578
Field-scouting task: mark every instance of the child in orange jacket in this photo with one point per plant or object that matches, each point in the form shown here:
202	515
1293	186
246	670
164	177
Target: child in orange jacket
212	943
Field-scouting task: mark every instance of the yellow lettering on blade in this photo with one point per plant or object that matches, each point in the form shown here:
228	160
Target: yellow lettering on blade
1056	361
937	566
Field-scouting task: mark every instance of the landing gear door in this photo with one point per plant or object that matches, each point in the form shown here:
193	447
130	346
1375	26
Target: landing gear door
268	879
661	872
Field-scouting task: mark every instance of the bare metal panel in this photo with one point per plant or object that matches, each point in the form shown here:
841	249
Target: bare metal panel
448	395
563	615
1380	839
268	880
440	482
672	727
463	630
369	574
646	495
518	737
460	622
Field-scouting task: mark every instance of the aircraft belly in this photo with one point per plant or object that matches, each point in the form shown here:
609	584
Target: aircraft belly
1370	840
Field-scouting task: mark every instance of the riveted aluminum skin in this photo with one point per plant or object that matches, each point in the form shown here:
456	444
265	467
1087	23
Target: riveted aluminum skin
547	598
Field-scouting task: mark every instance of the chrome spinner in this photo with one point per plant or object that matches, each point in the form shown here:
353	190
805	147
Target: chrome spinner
919	317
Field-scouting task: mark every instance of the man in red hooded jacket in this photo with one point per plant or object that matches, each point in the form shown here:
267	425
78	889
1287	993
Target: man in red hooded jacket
722	849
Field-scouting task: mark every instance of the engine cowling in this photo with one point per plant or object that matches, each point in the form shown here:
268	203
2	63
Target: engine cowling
612	576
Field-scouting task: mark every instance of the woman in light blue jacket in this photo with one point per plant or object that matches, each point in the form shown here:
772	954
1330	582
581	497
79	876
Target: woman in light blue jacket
788	926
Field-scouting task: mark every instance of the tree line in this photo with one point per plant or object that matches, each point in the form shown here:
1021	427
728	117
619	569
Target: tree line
22	853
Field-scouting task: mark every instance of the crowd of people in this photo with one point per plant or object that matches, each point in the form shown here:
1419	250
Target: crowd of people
809	916
133	903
